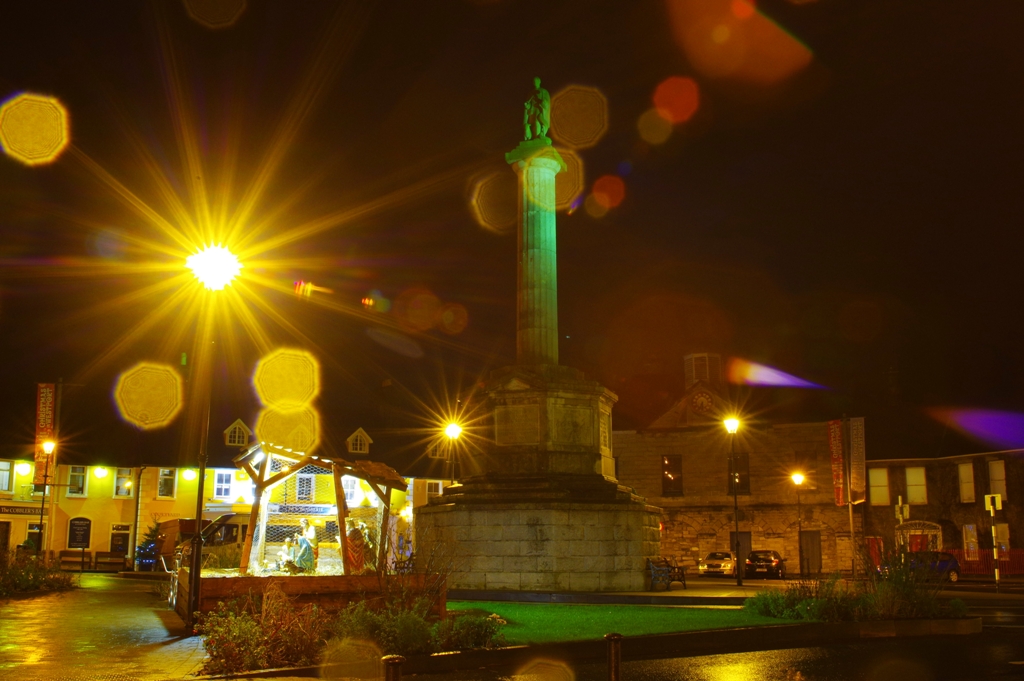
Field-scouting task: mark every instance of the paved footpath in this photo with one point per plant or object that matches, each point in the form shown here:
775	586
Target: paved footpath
111	629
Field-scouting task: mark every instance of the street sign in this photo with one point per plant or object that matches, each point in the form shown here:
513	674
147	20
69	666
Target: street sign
79	533
993	501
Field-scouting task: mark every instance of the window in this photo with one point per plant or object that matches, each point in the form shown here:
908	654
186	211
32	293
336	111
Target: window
305	486
6	477
740	476
76	481
222	485
966	473
970	542
237	437
878	482
671	475
1003	540
123	482
917	490
997	478
433	488
34	535
358	443
353	495
166	483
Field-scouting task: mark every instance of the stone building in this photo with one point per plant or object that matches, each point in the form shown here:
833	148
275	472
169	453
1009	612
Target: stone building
680	463
944	504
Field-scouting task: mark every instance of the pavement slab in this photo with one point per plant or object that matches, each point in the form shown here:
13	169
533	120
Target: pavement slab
110	629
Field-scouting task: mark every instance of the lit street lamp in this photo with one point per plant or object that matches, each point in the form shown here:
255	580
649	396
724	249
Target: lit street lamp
732	424
214	267
452	431
48	448
798	479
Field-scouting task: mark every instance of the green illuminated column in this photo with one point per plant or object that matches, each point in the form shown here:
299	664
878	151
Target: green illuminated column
536	163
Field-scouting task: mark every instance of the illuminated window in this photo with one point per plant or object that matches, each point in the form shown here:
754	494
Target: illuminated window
671	475
358	443
740	476
917	491
997	478
971	542
34	534
222	485
167	482
878	482
433	488
237	437
351	487
966	473
305	486
77	479
1003	540
6	476
123	482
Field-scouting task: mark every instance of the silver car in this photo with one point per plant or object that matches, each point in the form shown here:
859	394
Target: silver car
717	563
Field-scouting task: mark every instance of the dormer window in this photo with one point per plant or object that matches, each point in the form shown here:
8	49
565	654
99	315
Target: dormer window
237	434
359	442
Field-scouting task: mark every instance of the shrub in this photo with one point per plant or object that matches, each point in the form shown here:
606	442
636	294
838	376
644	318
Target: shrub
468	632
21	572
956	608
262	632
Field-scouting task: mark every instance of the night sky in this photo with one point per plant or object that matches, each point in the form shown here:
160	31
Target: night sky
855	224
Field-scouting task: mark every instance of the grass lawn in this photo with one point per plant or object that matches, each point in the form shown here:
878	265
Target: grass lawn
554	622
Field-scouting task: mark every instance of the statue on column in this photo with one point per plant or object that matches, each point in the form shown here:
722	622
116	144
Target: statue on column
537	117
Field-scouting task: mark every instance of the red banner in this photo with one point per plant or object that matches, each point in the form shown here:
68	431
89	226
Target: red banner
45	400
835	447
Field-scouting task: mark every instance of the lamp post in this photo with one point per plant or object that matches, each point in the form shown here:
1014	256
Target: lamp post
732	424
214	267
798	479
452	431
48	448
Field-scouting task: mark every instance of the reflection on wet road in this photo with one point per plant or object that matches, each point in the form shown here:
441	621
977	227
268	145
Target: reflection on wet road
111	628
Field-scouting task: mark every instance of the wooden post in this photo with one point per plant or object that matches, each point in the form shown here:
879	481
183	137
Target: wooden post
385	516
339	499
250	532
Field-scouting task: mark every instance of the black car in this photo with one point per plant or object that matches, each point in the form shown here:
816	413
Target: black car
766	564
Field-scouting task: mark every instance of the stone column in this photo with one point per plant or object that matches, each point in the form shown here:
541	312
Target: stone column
536	163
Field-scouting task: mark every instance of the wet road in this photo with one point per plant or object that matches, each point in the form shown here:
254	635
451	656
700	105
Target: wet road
996	655
112	628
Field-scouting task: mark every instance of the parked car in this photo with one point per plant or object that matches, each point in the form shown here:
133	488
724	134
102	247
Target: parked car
765	564
934	564
717	563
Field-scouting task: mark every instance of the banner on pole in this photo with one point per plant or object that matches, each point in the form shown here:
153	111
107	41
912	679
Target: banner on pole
835	447
857	461
45	395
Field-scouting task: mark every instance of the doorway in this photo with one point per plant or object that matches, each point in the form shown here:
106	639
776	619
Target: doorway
744	549
5	536
810	552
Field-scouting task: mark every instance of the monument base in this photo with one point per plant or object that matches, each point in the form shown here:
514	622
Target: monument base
540	508
544	546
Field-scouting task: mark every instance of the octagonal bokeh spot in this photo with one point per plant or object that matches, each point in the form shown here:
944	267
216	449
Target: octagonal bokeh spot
149	395
287	379
33	128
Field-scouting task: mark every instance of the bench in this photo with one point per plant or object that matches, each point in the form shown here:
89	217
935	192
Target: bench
110	561
665	571
72	559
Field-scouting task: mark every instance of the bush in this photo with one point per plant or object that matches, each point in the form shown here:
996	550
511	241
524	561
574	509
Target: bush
262	632
393	631
21	572
956	608
468	632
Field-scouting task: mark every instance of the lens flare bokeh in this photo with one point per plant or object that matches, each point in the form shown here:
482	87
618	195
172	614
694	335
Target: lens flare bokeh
1003	429
742	372
493	201
677	98
546	670
215	14
609	191
33	128
569	183
287	379
297	430
579	116
732	39
653	127
149	395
